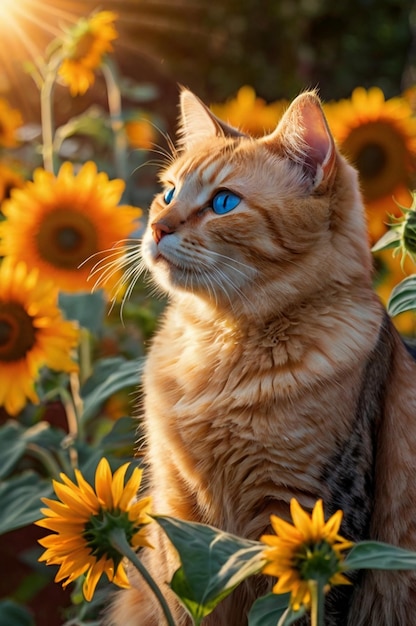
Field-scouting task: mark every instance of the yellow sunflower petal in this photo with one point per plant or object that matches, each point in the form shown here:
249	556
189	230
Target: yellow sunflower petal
340	579
91	580
318	519
103	479
120	577
130	489
284	529
331	527
301	519
117	484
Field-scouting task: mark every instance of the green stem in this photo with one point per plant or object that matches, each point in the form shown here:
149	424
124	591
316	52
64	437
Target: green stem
72	420
45	458
47	119
119	542
317	602
116	118
85	361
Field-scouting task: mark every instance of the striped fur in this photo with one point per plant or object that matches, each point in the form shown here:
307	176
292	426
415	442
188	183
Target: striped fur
275	372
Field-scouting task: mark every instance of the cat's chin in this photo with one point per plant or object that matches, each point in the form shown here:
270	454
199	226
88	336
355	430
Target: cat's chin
169	275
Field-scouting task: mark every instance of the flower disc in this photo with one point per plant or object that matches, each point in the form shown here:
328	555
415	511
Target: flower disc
378	136
33	334
64	225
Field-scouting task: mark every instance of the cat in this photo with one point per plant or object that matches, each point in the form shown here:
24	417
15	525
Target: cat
276	372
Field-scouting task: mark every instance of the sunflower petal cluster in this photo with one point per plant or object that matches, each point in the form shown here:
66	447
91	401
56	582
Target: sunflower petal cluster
9	179
10	121
84	48
33	334
378	136
249	112
310	549
66	224
82	521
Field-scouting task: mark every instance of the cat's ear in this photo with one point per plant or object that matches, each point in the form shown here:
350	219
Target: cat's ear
197	122
304	136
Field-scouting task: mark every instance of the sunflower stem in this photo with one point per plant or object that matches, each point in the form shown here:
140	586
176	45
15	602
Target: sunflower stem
116	118
45	458
47	118
72	421
85	362
119	542
317	602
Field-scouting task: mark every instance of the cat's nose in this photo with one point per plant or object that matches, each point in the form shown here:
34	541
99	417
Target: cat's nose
160	229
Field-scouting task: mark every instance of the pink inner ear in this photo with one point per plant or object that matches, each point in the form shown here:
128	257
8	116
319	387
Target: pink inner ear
316	134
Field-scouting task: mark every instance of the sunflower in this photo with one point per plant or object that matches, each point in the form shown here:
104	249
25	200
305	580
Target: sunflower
84	48
249	113
33	334
378	136
9	179
82	522
10	121
306	551
59	223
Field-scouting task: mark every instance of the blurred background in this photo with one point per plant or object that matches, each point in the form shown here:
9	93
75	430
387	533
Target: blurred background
279	47
276	48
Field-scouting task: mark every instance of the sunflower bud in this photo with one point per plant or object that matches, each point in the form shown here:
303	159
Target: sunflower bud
408	230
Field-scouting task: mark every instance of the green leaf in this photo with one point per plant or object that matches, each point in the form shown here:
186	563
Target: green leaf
91	123
378	555
213	563
14	441
138	92
403	296
120	439
13	614
20	501
120	375
87	309
290	616
12	447
267	611
390	239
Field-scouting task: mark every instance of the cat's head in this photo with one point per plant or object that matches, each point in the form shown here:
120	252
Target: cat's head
254	224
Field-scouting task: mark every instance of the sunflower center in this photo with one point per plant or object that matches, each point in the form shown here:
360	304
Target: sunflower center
17	334
66	238
371	161
378	150
97	533
317	560
83	47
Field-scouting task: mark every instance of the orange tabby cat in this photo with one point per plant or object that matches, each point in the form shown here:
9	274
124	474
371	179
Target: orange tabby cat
276	372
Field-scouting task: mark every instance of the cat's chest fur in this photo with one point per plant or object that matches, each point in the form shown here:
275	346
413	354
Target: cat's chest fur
246	414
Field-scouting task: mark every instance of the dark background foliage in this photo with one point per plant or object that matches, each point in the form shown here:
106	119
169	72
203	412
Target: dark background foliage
280	47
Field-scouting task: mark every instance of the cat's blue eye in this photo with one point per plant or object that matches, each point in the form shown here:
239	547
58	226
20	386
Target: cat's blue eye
225	201
169	195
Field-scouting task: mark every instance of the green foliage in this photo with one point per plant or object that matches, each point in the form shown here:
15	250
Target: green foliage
271	609
289	46
378	555
403	296
20	500
213	563
109	377
13	614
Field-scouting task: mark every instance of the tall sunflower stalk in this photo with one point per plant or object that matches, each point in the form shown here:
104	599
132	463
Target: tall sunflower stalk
73	60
